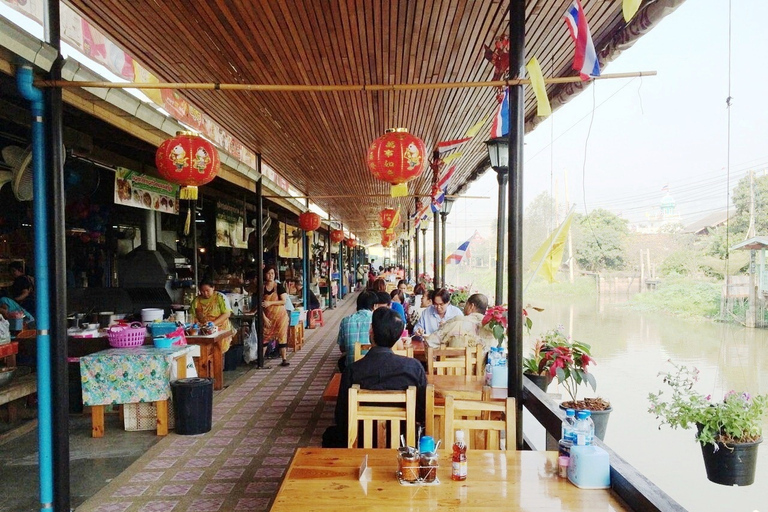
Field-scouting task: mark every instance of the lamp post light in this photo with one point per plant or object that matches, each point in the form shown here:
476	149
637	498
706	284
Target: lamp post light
444	211
498	152
424	227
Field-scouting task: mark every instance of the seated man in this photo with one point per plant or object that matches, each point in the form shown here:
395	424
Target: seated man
467	330
354	328
379	369
437	314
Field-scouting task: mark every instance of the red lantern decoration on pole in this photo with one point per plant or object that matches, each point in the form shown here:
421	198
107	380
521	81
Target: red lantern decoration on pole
189	160
337	236
397	157
387	238
309	221
351	243
389	218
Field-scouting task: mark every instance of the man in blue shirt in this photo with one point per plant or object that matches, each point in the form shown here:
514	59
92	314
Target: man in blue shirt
354	328
437	314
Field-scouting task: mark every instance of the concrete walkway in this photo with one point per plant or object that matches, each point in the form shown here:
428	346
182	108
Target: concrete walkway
258	422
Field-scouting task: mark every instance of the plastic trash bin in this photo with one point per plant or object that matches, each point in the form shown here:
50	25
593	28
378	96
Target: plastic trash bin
193	405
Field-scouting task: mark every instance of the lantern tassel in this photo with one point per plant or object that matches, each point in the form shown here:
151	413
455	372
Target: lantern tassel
399	190
188	222
188	192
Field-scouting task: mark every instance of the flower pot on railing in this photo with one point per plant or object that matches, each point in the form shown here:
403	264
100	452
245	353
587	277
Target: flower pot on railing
542	381
599	416
732	464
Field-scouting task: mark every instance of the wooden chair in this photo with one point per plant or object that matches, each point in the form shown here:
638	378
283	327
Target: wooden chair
359	348
495	417
476	361
386	408
449	361
407	351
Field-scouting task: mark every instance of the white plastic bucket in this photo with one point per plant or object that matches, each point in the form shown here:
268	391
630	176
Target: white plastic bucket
149	315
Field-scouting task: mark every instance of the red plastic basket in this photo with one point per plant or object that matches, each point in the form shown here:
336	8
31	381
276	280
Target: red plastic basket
125	336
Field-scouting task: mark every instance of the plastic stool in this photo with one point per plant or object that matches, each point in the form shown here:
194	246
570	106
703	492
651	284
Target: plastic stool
316	317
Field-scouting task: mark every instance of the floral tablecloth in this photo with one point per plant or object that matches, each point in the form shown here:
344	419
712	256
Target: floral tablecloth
128	375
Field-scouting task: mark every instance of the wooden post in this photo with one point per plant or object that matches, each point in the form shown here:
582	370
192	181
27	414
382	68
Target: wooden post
642	273
752	305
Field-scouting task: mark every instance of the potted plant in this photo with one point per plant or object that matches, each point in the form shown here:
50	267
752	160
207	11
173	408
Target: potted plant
569	361
728	431
535	367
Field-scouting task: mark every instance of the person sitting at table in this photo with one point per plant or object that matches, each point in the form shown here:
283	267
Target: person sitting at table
397	303
421	302
210	306
437	314
379	285
355	328
276	316
8	305
465	331
379	369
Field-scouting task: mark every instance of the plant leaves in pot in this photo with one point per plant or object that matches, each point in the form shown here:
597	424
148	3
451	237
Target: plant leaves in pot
728	431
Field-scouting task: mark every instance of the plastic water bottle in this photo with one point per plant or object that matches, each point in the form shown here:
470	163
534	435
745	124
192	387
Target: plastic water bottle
568	435
584	428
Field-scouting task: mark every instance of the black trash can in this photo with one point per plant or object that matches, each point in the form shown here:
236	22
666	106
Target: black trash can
233	357
193	405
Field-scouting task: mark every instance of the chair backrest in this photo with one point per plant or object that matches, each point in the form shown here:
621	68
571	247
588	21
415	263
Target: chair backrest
449	361
476	361
407	351
387	409
491	417
359	348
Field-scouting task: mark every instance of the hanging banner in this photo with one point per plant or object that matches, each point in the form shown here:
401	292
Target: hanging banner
290	242
230	223
141	191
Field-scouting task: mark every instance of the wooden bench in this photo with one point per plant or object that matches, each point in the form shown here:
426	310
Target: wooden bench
18	388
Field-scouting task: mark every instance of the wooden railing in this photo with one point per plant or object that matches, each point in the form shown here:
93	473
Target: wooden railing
628	483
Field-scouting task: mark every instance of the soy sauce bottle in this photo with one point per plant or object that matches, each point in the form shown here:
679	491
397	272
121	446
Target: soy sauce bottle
459	458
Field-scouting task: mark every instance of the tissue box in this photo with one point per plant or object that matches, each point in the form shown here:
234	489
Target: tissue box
589	468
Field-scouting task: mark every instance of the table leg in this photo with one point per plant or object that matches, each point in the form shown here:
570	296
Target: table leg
181	367
161	407
218	368
97	421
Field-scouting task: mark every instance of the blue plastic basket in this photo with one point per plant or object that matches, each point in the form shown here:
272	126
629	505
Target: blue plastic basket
295	318
161	328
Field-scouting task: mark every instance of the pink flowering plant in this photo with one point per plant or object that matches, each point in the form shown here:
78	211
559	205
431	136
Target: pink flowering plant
736	419
557	355
495	320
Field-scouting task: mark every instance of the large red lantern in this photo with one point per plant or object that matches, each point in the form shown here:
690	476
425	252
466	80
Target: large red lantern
189	160
387	238
389	218
337	236
397	157
309	221
351	243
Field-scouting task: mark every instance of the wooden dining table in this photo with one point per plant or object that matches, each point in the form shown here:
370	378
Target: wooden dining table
321	479
457	385
210	363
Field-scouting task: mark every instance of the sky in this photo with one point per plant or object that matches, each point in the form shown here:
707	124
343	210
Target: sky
670	129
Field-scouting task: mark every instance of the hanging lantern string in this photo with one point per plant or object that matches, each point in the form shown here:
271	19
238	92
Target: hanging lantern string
326	88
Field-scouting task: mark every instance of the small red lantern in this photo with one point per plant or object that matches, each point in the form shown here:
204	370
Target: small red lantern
387	238
309	221
397	157
189	160
337	236
351	243
389	218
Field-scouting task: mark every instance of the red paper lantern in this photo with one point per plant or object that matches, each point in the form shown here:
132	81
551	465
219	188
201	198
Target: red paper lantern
389	218
189	160
337	236
397	157
387	238
309	221
351	243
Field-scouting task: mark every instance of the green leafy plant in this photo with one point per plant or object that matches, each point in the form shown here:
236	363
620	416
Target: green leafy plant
459	295
564	358
736	419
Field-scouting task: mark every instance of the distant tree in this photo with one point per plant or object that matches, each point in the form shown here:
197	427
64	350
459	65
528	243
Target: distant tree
739	224
600	241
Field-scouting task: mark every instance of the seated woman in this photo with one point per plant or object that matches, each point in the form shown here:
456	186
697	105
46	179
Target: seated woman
398	303
211	306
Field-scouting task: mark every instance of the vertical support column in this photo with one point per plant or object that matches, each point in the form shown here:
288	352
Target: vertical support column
260	264
329	280
54	209
424	243
341	266
417	256
515	212
305	273
436	255
443	217
501	177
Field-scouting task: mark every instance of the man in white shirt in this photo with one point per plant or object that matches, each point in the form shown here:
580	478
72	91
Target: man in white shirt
437	314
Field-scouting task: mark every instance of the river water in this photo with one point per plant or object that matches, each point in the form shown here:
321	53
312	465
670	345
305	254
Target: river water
631	348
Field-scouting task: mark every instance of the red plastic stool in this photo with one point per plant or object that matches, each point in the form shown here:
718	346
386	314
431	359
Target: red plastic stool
316	317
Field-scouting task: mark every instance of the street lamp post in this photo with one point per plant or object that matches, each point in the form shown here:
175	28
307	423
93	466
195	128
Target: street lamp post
424	227
444	211
498	152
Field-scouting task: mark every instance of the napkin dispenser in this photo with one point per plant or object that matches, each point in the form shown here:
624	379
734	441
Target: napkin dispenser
589	468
